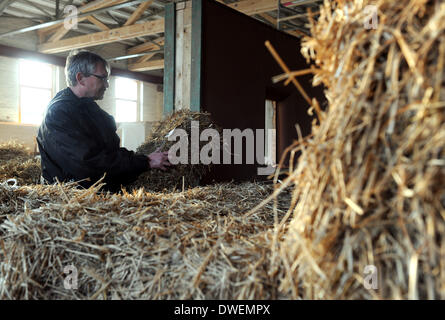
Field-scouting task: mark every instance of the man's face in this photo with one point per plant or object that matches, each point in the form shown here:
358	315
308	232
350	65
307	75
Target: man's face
95	85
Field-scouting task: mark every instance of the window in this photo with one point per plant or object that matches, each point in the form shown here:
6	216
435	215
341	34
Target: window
36	89
126	100
270	126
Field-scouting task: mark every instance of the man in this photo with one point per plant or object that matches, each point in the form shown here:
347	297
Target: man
77	139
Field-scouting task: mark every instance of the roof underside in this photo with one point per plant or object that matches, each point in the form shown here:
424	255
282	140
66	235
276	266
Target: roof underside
136	25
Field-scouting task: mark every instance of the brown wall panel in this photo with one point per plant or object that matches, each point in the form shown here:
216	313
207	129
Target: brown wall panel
236	80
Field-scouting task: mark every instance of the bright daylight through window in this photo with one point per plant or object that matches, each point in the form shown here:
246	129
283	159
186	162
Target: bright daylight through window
36	82
126	100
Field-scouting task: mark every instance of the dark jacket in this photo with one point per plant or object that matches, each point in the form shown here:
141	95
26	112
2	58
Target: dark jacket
78	140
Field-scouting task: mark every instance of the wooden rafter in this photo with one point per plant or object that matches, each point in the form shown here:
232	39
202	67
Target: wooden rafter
98	23
147	66
103	37
251	7
98	4
61	31
296	33
269	19
146	58
131	30
147	46
138	12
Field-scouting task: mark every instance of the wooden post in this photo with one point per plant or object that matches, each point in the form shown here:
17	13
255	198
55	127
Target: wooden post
169	58
195	85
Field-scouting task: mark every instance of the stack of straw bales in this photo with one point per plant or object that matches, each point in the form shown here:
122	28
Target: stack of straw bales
194	244
369	186
18	162
181	175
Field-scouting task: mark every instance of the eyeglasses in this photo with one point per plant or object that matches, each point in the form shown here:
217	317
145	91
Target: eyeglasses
103	78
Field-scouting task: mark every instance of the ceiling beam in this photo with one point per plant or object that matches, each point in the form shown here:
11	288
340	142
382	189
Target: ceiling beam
82	15
131	56
62	31
148	56
98	4
251	7
138	12
92	6
147	65
104	37
269	19
301	3
147	46
296	33
98	23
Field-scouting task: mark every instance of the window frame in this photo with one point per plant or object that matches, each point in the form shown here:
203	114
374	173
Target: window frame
271	143
21	86
138	100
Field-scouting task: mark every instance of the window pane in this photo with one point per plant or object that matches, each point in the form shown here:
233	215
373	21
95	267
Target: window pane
35	74
126	89
33	103
126	111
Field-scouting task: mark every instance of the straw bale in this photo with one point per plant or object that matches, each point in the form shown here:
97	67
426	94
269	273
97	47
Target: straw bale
181	175
13	150
369	185
194	244
19	163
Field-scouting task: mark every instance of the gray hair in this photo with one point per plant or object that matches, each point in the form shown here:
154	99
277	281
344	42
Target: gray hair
82	61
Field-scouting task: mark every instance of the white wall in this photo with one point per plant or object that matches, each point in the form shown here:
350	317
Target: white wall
9	89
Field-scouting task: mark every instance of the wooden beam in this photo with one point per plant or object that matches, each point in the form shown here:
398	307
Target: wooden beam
196	64
147	66
45	31
147	46
94	5
98	23
146	58
103	37
138	12
98	4
300	15
269	19
251	7
170	58
296	33
61	32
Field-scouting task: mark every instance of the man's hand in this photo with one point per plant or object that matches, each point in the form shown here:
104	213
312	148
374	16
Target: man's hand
159	160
